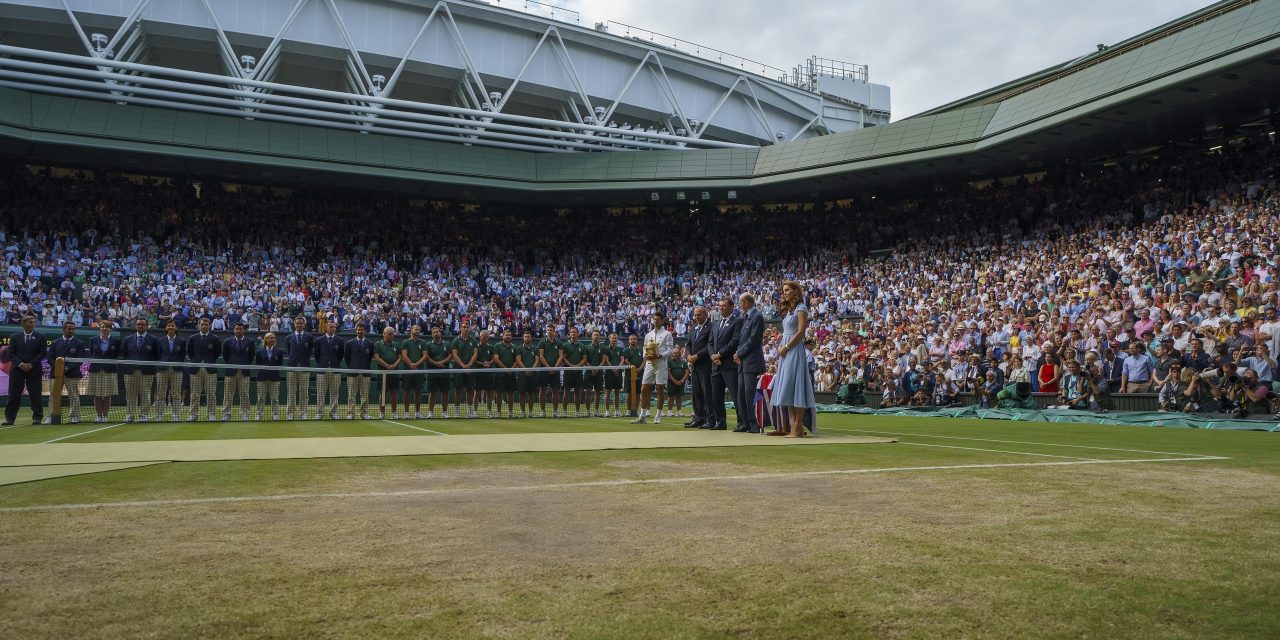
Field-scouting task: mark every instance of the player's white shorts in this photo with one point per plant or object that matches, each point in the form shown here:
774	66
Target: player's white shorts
655	372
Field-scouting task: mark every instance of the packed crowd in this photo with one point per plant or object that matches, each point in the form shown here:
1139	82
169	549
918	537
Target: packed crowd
1057	282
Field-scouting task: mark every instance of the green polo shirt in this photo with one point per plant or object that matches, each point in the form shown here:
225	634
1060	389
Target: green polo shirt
677	367
466	347
634	356
573	351
484	354
389	352
506	353
528	355
614	354
595	353
550	351
413	350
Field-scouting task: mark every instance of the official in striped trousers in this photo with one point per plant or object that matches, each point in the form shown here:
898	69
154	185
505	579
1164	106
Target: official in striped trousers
204	348
297	353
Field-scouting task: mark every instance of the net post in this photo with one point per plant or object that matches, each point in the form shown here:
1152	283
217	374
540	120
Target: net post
382	397
55	395
633	403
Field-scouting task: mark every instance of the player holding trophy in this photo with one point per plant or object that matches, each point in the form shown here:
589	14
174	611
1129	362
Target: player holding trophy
658	346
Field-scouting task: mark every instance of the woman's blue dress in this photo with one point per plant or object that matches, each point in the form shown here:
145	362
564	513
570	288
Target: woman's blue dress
792	385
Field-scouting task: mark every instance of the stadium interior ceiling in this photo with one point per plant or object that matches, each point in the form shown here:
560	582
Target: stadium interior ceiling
1222	103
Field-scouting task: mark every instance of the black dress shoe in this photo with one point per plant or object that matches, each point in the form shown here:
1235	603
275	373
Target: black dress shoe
693	423
718	427
740	430
692	426
755	430
6	423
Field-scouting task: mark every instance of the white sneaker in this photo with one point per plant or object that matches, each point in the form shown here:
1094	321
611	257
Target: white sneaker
75	421
275	416
368	417
430	415
656	419
640	419
417	415
351	416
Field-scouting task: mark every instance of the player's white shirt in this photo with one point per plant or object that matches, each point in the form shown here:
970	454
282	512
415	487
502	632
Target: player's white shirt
665	342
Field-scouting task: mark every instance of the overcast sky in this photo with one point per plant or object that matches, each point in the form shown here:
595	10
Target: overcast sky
929	52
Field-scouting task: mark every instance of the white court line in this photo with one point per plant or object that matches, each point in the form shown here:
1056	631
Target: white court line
1020	453
413	427
577	485
82	433
1044	444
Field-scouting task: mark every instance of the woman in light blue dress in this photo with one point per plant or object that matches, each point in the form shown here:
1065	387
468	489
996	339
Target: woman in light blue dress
792	386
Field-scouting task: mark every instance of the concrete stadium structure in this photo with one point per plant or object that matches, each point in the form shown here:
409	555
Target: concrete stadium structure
1196	80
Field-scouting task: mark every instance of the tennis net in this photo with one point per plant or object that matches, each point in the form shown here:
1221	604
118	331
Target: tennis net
91	390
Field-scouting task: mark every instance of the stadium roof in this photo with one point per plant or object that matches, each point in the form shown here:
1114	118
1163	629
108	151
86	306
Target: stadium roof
1197	77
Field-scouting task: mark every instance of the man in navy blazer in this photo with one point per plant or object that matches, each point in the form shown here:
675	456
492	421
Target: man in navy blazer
329	351
700	359
204	348
27	351
237	350
359	356
722	344
750	359
138	379
173	352
68	346
297	348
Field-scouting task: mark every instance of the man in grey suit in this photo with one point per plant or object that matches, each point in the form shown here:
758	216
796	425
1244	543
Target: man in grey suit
750	359
722	343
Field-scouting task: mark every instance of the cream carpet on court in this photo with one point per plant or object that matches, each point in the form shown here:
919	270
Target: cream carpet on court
24	462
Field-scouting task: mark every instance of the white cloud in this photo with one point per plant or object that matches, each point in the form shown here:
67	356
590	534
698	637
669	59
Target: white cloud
929	52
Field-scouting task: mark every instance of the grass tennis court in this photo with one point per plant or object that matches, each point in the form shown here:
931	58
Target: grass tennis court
961	528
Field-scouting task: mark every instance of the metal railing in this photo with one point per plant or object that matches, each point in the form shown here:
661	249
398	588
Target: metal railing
536	8
640	34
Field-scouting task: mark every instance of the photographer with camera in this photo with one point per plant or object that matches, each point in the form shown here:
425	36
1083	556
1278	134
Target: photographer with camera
1098	388
1230	389
1255	397
1073	394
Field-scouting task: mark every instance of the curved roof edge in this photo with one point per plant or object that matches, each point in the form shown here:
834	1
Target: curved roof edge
1246	33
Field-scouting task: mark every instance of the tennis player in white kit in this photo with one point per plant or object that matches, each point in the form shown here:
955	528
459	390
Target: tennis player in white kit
659	344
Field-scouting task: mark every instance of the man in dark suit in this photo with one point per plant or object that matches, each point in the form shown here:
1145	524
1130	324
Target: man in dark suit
329	351
173	350
68	346
103	385
297	350
27	352
750	359
700	359
237	350
269	379
138	379
721	345
204	348
359	355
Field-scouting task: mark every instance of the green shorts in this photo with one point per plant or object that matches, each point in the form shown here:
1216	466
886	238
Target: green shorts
464	380
438	382
613	380
675	389
526	382
573	379
595	380
411	381
548	379
484	382
506	382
